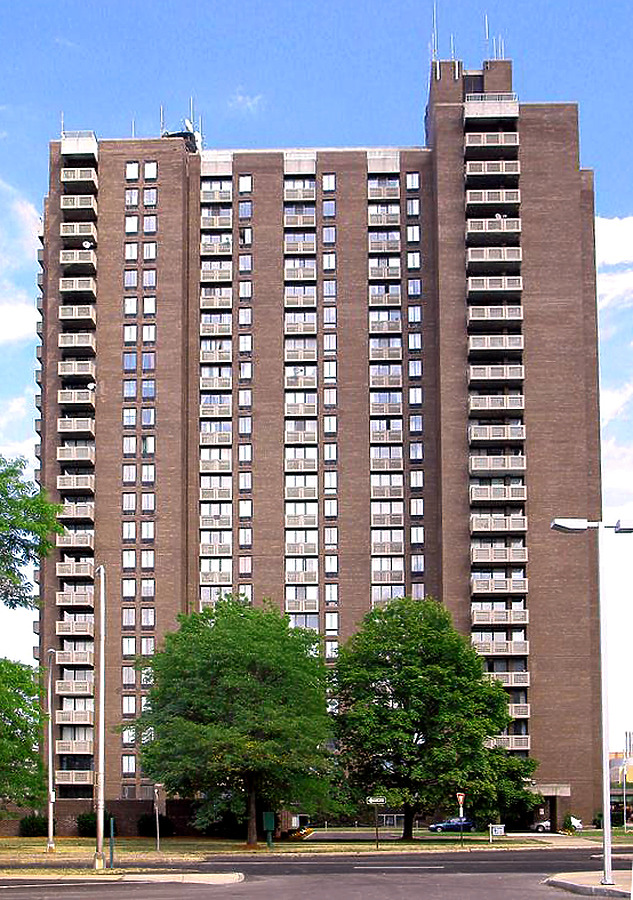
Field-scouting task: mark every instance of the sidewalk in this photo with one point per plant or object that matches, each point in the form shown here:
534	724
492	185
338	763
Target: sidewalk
588	883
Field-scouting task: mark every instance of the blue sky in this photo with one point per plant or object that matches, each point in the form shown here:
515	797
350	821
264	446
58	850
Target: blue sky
305	73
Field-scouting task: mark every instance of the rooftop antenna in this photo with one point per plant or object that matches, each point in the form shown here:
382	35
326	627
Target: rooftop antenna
191	116
435	31
487	33
133	128
62	117
503	48
452	47
494	48
162	120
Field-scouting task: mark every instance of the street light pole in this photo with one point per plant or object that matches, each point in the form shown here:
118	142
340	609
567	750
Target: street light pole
99	858
571	526
50	845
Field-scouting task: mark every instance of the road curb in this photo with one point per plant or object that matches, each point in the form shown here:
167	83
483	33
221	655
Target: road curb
179	877
565	883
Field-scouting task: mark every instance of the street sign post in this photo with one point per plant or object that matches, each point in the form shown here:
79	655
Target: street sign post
376	802
460	799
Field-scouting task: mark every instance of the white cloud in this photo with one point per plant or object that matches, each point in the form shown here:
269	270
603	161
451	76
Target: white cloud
617	473
615	289
19	225
613	402
614	241
243	102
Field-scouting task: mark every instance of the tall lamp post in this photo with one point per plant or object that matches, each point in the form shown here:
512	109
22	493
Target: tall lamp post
50	845
99	858
573	526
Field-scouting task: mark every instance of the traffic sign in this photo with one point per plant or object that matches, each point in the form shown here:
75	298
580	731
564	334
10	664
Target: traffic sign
376	801
461	798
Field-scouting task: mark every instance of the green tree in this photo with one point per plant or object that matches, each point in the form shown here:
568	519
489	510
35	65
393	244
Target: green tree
416	710
21	769
237	712
27	521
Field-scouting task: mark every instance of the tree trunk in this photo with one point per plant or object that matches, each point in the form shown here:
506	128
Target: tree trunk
251	809
407	831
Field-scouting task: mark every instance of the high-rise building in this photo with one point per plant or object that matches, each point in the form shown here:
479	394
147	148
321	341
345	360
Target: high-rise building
329	377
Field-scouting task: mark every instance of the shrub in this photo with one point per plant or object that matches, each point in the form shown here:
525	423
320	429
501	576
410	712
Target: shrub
33	826
568	825
87	824
146	825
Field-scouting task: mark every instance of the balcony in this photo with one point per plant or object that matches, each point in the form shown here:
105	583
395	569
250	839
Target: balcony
307	354
383	192
216	577
79	143
387	520
502	648
85	178
500	617
300	437
85	342
496	373
299	300
300	327
305	220
86	260
78	206
498	524
74	717
305	521
384	272
494	284
510	679
385	409
478	258
215	410
74	657
216	248
75	598
387	547
510	741
492	404
300	273
382	218
498	493
385	381
74	777
223	299
386	492
82	629
499	199
391	576
497	465
519	710
300	381
485	555
79	315
497	586
390	326
214	438
301	493
74	747
300	409
79	484
219	383
491	106
216	465
385	437
496	433
377	464
380	246
216	549
217	221
216	356
215	494
305	193
388	353
75	511
76	398
74	234
74	569
223	196
490	315
300	465
83	285
300	246
386	298
310	577
84	540
213	329
213	275
301	549
493	168
308	605
216	521
483	144
487	230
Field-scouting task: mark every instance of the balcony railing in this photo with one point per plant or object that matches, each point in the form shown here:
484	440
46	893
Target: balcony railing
215	465
500	617
387	547
224	196
495	403
387	520
380	218
384	192
497	586
77	368
491	140
76	455
378	353
78	539
216	521
74	777
74	233
305	220
76	340
484	227
300	246
216	494
493	465
216	356
506	343
386	437
74	569
307	605
378	464
74	657
216	549
300	273
214	438
502	197
308	354
83	484
84	259
213	329
211	275
384	272
498	493
305	521
215	410
498	524
75	598
496	373
510	741
301	493
492	433
77	511
492	168
491	106
74	717
502	648
478	284
310	577
300	465
510	679
79	315
79	206
306	193
80	397
300	381
389	576
85	177
386	491
485	555
306	549
216	577
224	221
492	314
76	628
300	409
300	437
74	747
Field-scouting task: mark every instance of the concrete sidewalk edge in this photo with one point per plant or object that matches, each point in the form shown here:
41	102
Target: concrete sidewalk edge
180	877
587	884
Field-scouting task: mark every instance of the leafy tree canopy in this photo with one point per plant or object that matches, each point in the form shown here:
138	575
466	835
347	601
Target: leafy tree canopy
237	712
416	711
21	769
27	521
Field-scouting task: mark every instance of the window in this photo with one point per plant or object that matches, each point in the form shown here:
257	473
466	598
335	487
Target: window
128	617
329	397
329	289
128	646
415	368
413	206
245	184
149	250
128	503
416	396
413	234
415	423
129	306
245	453
329	209
148	502
149	334
329	234
245	237
414	287
416	453
148	645
245	481
245	398
128	531
329	482
329	372
148	359
148	388
413	259
149	278
331	564
329	343
129	388
148	472
129	417
129	334
417	506
246	290
415	341
245	537
329	261
245	209
131	197
148	416
417	534
128	588
130	278
416	477
329	453
150	197
329	182
245	343
331	649
246	371
414	314
245	262
150	224
149	306
129	362
151	170
245	425
148	445
413	181
245	316
417	563
129	474
330	508
131	252
148	617
131	171
331	594
128	704
148	587
329	424
131	224
147	559
245	509
128	676
147	531
128	559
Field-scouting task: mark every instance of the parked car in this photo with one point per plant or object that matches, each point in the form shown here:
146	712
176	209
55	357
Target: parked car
546	825
459	823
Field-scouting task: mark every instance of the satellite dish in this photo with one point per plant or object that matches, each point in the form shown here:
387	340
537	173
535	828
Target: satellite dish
87	245
498	217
